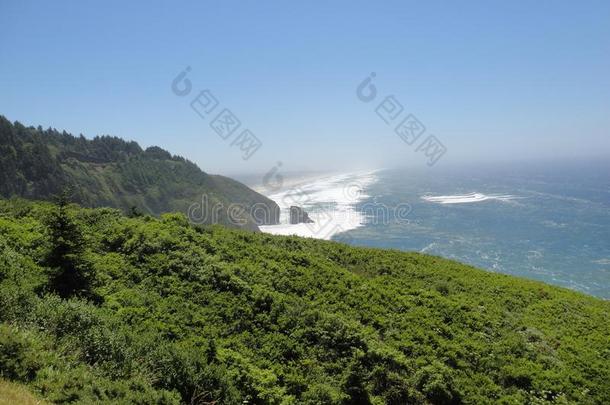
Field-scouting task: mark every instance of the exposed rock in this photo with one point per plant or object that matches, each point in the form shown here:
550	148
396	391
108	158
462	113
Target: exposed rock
299	216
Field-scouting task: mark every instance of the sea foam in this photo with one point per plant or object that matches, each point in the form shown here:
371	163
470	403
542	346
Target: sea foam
330	202
468	198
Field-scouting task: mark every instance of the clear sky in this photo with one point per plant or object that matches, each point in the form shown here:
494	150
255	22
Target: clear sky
493	82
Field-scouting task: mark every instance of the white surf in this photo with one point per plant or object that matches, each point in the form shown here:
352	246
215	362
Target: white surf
468	198
329	201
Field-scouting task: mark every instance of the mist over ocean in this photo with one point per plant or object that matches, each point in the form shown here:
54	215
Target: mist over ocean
548	222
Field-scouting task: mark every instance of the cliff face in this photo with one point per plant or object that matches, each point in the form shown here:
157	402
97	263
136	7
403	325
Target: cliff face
109	171
299	216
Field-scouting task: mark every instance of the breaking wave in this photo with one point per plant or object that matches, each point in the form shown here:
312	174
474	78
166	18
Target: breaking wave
468	198
330	202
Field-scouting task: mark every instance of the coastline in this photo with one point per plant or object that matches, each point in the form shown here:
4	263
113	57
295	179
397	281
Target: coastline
330	200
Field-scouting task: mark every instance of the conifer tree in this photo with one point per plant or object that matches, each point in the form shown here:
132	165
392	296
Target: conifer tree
68	273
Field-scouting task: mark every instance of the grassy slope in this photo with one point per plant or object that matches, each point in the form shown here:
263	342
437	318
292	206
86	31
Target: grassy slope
218	314
11	394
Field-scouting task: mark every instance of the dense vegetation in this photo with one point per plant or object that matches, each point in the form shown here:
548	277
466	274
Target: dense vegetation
108	171
164	312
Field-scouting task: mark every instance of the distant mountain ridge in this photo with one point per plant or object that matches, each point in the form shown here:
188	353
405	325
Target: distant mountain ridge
109	171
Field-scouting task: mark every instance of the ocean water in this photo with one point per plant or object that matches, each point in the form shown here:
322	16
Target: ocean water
549	222
331	201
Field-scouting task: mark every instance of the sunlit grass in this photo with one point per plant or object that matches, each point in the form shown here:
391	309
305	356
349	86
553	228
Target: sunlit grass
11	394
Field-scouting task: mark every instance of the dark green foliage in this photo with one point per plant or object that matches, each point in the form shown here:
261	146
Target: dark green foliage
435	381
68	274
212	315
354	386
108	171
135	212
17	355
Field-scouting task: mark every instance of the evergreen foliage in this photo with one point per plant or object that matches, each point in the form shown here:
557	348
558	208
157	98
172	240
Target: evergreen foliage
68	273
202	315
108	171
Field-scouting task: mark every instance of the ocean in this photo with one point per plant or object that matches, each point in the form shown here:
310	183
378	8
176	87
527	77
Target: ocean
545	221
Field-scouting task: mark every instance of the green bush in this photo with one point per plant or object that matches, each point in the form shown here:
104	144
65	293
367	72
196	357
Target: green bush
19	355
211	315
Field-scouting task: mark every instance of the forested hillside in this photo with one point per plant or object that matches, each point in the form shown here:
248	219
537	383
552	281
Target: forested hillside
158	311
108	171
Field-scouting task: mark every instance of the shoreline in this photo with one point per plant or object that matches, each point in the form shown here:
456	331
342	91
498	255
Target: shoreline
329	200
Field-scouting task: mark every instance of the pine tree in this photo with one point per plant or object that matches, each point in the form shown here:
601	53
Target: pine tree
354	385
135	212
68	273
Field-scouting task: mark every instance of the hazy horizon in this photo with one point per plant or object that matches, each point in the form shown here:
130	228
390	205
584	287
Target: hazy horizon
516	82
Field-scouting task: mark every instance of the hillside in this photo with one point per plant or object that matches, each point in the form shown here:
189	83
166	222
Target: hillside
11	394
168	313
108	171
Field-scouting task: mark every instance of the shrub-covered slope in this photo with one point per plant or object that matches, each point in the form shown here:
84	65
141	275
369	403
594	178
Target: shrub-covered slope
108	171
173	313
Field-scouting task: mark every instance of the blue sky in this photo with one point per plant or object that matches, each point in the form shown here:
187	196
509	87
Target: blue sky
512	80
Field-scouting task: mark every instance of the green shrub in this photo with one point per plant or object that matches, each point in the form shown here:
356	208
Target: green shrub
197	315
19	357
